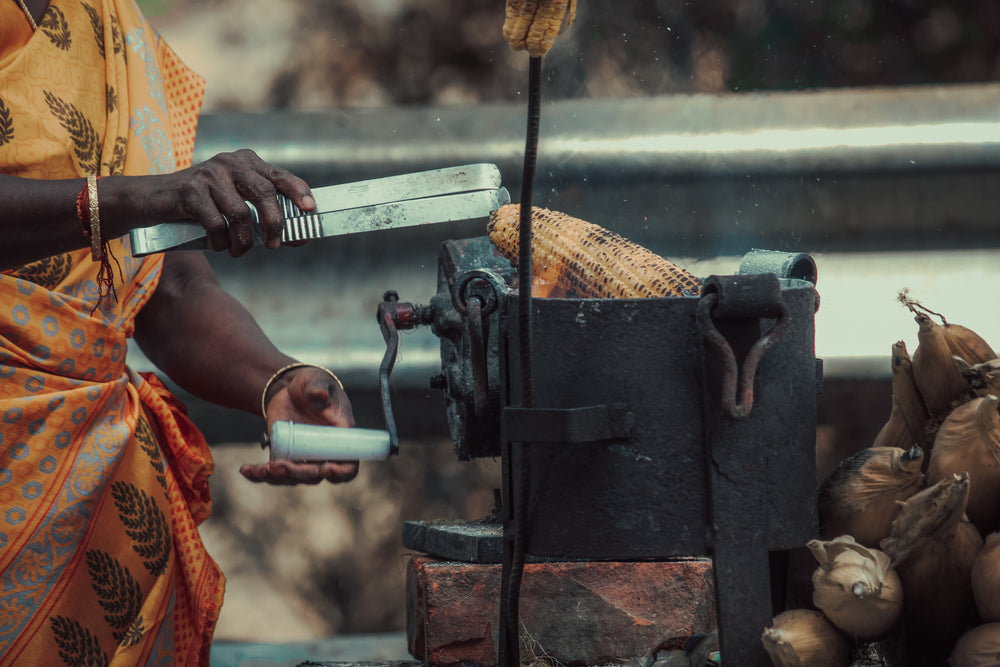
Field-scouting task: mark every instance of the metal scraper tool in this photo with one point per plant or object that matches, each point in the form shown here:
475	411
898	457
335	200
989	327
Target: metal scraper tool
440	195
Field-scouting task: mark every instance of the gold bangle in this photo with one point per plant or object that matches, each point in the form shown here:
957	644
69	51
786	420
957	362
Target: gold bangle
96	248
284	369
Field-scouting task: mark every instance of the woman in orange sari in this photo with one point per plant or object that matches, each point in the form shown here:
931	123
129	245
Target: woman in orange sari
103	479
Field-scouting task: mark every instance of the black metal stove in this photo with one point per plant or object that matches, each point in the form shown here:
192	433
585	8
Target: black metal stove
659	427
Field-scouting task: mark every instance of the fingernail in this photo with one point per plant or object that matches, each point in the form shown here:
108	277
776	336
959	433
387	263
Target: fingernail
308	203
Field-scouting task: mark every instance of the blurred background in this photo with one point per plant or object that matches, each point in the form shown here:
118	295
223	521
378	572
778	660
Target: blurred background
308	563
321	55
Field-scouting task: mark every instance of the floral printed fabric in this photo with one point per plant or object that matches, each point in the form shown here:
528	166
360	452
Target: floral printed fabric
103	479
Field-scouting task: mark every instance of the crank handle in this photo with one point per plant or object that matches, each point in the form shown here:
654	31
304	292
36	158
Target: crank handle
312	442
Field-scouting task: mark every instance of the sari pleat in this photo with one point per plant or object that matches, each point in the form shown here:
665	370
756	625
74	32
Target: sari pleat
103	477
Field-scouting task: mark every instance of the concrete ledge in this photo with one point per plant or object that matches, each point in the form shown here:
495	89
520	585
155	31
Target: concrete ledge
366	649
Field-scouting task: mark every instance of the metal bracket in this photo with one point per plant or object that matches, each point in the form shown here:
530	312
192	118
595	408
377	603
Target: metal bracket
741	555
567	425
741	297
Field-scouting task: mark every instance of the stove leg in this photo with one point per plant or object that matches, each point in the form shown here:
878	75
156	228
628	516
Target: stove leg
743	602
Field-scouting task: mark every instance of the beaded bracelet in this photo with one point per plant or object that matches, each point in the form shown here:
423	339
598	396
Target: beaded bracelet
284	369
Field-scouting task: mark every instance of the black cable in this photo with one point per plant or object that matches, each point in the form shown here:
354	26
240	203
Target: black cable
524	259
515	545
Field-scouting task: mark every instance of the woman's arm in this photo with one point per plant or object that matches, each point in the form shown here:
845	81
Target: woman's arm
207	342
38	218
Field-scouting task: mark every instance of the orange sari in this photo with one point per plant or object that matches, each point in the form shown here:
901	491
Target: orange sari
103	479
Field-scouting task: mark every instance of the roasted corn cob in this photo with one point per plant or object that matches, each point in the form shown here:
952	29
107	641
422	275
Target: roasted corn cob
587	260
534	24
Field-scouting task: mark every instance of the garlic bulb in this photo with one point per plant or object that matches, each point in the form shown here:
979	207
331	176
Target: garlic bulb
969	441
986	579
861	496
979	647
805	638
933	547
855	587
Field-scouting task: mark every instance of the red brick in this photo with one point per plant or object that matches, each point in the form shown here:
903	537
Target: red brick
577	613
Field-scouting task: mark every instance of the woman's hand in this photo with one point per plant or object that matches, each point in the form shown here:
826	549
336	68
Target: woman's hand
215	193
310	396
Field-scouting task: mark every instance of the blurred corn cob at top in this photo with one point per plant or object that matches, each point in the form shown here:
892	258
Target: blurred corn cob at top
535	24
587	260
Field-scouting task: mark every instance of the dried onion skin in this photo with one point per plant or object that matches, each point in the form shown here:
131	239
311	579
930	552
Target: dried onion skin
969	441
861	496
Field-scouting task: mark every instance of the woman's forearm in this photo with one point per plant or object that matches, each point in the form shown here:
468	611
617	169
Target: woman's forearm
40	217
203	338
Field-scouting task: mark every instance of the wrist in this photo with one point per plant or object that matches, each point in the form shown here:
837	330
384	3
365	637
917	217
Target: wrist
283	377
130	202
279	380
118	213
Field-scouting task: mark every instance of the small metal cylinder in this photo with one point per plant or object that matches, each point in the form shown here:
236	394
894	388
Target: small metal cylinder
313	442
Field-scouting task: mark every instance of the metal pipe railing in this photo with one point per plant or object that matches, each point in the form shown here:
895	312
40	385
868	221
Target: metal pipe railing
884	129
843	171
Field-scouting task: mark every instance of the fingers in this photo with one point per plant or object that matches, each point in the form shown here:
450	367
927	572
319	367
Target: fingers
216	193
287	473
199	203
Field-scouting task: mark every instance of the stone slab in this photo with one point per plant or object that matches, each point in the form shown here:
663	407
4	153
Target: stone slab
575	613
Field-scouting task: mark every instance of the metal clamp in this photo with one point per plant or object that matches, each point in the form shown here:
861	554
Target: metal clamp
592	423
735	297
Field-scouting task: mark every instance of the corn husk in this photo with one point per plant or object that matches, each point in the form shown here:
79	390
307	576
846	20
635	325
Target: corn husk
908	417
861	496
933	547
935	372
969	441
967	344
855	587
979	647
986	579
937	376
805	638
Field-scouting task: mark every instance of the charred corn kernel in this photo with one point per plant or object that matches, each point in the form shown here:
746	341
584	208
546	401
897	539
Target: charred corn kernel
587	260
535	24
